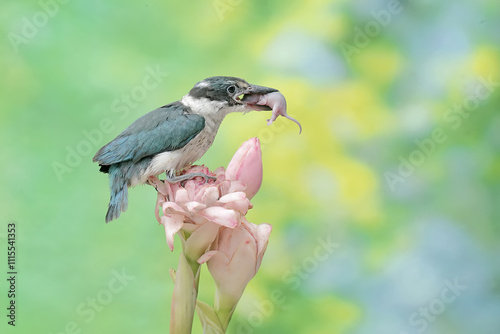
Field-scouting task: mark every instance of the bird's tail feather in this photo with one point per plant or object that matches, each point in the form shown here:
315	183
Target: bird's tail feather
118	202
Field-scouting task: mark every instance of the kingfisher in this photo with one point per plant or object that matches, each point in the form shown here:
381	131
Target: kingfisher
171	138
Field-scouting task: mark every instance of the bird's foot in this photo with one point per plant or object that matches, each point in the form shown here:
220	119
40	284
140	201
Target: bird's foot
182	178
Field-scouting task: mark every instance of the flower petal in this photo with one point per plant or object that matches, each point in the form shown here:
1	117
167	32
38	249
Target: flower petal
173	189
172	208
200	240
262	237
237	186
210	195
194	206
207	256
181	196
221	216
162	187
200	191
190	186
236	201
233	197
246	166
218	267
239	206
220	173
172	224
160	199
189	227
224	187
232	276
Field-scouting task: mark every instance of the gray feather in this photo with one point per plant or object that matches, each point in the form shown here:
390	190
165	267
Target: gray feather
119	181
164	129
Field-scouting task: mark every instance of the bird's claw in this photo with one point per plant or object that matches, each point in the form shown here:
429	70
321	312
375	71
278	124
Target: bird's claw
182	178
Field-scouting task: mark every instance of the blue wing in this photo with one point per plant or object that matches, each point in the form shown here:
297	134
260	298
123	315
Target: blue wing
164	129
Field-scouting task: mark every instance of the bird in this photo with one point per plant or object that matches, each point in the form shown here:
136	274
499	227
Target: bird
171	138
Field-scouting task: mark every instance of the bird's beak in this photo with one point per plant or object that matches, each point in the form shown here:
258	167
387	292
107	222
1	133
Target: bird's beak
261	90
251	95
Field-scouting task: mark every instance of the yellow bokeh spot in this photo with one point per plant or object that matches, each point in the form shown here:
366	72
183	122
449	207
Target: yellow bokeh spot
380	64
359	102
358	187
357	180
340	315
485	62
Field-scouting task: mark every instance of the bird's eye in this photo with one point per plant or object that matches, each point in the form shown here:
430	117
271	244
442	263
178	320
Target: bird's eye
231	89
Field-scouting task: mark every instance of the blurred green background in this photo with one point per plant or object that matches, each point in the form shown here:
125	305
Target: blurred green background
385	209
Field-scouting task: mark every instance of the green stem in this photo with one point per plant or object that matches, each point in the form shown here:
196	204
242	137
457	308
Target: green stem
224	313
184	296
224	317
209	320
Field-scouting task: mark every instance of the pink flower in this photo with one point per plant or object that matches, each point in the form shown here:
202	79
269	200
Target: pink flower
246	166
209	218
233	260
199	209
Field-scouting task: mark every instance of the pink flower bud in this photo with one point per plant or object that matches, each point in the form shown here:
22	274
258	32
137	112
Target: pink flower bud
233	260
246	166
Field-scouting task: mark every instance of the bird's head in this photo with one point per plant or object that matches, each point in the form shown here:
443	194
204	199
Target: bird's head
224	95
